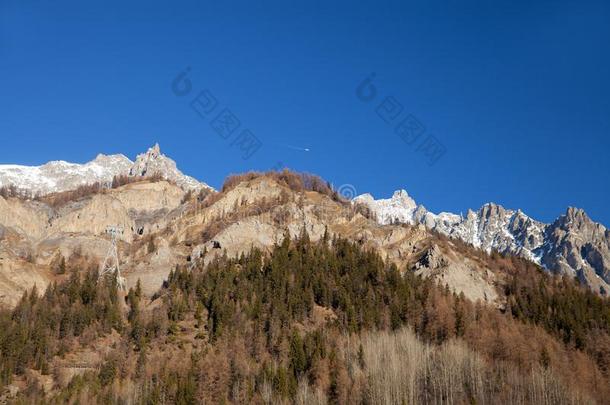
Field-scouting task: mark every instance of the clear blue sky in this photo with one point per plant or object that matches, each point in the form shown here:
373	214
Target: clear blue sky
518	92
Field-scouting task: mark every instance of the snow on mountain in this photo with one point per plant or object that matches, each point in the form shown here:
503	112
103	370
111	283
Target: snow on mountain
57	176
573	244
153	162
399	208
576	245
491	228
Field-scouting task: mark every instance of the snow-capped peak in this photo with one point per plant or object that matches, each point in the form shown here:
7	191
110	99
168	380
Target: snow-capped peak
59	175
403	199
573	244
400	208
492	227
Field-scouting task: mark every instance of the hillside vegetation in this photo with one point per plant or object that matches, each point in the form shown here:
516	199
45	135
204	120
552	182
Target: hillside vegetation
312	322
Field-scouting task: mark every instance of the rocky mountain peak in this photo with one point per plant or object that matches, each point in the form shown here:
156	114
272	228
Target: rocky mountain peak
491	210
576	222
153	153
58	175
118	159
155	150
402	198
399	208
573	244
575	216
578	246
153	162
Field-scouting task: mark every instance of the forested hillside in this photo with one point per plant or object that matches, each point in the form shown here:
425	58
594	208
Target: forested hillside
312	322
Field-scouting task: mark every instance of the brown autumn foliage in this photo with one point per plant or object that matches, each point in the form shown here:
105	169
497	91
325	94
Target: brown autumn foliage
12	191
235	332
240	212
57	200
297	182
242	330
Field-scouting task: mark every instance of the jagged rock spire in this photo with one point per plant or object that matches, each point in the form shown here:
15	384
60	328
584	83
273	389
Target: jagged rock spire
153	162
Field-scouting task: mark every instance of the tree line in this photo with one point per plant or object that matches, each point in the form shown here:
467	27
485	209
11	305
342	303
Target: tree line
316	322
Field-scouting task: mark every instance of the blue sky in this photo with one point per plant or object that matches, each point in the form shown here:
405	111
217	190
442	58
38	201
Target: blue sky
517	93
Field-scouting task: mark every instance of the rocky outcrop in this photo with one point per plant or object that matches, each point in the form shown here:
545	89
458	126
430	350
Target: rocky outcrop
154	163
460	273
92	217
17	275
29	218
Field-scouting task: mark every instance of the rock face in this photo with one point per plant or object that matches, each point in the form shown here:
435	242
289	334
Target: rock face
572	245
33	234
154	163
58	176
490	228
495	228
400	208
576	245
459	272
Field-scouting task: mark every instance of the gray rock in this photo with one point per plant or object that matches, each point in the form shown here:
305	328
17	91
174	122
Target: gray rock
573	245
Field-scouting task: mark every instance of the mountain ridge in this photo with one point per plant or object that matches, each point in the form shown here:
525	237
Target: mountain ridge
573	244
59	175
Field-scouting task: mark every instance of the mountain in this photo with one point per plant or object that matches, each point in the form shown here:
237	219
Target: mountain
58	176
573	244
276	290
153	162
163	227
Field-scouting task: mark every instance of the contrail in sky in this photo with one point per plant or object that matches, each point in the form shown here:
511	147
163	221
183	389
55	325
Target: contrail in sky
295	148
